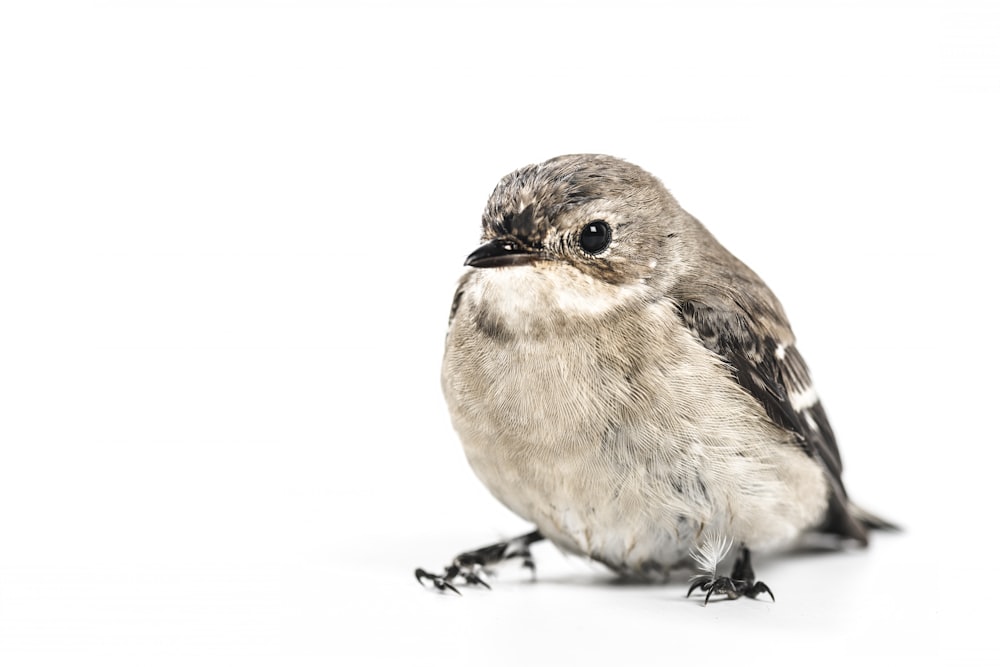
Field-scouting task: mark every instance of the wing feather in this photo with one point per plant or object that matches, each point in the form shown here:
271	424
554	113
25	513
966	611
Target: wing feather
775	374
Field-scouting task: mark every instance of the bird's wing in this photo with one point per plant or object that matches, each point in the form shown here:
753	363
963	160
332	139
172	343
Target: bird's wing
770	368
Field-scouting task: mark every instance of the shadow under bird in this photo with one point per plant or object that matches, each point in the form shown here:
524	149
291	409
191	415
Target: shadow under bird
624	383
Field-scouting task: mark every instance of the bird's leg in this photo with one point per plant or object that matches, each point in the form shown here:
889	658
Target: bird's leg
471	564
741	582
743	573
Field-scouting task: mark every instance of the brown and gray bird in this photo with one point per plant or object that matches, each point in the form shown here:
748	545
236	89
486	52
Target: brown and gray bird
628	386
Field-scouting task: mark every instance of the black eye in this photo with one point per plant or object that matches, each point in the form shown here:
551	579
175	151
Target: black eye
595	237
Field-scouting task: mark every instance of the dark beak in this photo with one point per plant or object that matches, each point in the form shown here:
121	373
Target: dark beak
502	252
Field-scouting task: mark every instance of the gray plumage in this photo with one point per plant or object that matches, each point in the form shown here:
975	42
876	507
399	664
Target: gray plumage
623	382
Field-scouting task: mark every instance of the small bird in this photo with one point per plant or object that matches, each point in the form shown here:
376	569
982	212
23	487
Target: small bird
625	384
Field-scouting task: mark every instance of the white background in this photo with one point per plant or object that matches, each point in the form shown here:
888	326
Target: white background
229	235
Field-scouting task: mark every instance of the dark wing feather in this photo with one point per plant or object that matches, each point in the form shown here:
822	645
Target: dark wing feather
774	373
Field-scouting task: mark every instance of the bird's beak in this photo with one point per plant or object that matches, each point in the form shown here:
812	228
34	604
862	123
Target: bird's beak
502	252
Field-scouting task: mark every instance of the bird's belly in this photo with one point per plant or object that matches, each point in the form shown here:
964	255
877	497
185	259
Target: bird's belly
632	465
631	535
618	494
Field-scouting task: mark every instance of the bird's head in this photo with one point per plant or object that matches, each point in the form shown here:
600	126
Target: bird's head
581	233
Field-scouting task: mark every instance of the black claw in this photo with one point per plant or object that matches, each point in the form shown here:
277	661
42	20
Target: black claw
702	581
473	578
758	588
440	582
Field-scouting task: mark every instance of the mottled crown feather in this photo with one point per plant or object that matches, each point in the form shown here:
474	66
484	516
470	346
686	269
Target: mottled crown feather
543	191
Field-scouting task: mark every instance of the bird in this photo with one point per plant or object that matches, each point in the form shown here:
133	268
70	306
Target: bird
624	383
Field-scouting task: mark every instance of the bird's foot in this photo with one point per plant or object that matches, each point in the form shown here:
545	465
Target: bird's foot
469	566
442	582
742	582
731	588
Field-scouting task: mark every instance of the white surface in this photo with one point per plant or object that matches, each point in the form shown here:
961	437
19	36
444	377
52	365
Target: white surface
228	245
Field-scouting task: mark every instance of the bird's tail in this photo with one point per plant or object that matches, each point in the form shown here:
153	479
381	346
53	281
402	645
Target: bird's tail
869	520
848	521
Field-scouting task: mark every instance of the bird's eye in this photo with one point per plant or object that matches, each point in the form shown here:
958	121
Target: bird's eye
595	237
